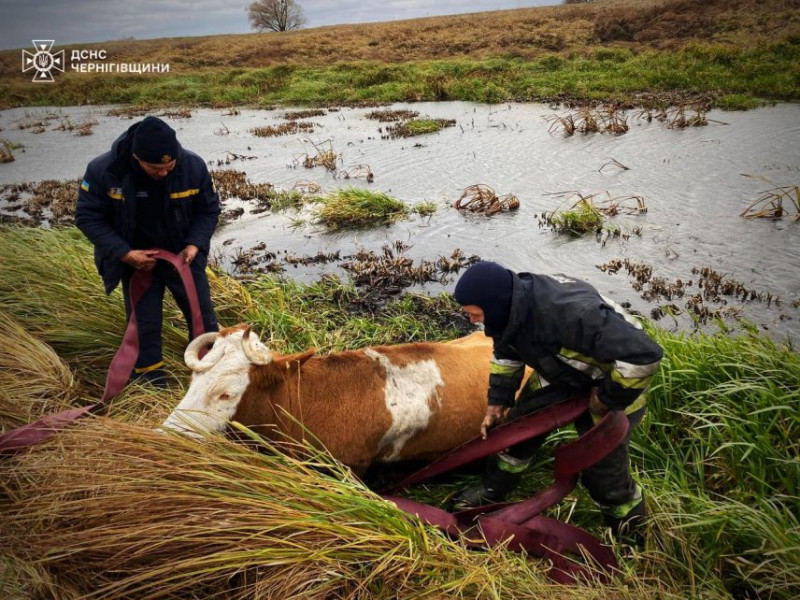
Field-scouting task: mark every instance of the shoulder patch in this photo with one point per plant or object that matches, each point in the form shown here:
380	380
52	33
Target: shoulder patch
85	185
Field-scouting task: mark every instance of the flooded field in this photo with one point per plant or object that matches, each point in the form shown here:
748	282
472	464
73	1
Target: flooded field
690	250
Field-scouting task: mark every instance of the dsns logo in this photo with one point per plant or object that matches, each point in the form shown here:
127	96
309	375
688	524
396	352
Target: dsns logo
42	61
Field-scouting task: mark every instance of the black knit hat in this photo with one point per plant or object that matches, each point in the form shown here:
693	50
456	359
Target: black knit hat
155	142
488	286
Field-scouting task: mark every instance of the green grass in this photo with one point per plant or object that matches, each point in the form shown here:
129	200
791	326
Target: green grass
742	77
358	207
716	455
578	220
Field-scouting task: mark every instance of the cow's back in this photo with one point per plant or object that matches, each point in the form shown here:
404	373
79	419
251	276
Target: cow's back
390	403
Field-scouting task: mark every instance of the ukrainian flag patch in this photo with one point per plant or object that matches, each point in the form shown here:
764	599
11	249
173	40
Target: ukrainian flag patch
85	185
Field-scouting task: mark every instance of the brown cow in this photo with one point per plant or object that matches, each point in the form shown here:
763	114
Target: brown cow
381	404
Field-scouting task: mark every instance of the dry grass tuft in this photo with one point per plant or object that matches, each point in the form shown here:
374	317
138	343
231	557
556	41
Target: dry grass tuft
481	198
121	511
770	203
34	381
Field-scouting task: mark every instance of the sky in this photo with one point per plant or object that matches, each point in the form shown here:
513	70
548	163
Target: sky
76	21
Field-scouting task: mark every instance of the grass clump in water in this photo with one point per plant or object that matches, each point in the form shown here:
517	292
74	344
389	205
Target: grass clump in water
578	220
414	127
358	207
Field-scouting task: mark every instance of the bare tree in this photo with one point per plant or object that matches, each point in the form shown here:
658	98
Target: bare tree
275	15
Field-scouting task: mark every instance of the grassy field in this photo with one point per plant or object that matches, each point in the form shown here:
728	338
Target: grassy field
730	53
113	509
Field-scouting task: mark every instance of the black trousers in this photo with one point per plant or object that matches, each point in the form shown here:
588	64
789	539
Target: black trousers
609	482
149	311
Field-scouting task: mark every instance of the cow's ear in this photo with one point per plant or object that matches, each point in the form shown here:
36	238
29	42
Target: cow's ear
296	360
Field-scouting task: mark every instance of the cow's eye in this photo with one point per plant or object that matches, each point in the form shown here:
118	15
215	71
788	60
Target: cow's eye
225	396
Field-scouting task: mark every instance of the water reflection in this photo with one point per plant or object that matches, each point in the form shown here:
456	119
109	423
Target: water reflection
690	179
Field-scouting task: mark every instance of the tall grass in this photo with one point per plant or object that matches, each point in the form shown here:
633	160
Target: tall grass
114	509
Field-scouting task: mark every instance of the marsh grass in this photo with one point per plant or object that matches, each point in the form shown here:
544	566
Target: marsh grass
415	127
581	218
114	509
358	207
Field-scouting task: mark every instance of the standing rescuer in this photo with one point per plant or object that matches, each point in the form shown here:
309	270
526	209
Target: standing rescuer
146	193
577	342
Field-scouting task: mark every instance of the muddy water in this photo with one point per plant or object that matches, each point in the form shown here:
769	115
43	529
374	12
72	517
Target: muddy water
691	181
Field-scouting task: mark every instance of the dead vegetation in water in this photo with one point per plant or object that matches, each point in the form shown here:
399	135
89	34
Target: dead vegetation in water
705	287
304	114
177	113
356	172
256	259
232	184
391	116
415	127
290	128
605	119
229	158
235	184
6	154
45	202
325	156
774	203
307	187
480	198
391	270
680	116
129	112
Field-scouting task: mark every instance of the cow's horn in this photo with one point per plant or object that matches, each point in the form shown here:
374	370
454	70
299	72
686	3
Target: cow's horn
256	353
191	356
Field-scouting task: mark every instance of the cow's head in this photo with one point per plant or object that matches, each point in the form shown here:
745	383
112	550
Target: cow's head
221	379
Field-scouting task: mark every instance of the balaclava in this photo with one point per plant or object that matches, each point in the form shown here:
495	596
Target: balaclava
488	286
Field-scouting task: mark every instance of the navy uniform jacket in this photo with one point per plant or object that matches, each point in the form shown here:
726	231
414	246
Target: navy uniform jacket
106	211
570	334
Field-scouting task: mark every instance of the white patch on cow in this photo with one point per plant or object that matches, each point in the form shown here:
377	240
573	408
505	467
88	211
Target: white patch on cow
213	395
408	393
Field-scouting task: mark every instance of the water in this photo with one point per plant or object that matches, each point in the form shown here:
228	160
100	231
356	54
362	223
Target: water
692	181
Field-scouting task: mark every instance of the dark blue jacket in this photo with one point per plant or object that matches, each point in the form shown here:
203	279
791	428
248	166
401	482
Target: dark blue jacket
570	334
106	211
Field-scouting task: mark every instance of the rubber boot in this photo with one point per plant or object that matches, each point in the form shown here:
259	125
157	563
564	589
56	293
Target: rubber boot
629	528
496	485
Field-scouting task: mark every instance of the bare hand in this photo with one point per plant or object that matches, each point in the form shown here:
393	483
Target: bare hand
189	253
596	406
494	416
141	260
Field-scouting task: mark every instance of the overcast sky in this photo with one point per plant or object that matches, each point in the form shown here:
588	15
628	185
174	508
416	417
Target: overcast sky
76	21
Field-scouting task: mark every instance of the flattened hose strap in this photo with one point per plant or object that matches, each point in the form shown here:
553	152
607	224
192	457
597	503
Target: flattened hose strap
520	524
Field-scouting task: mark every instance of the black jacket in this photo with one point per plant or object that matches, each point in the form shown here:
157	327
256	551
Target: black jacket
106	211
568	333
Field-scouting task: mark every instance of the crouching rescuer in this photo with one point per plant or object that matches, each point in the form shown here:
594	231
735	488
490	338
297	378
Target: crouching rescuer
577	342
